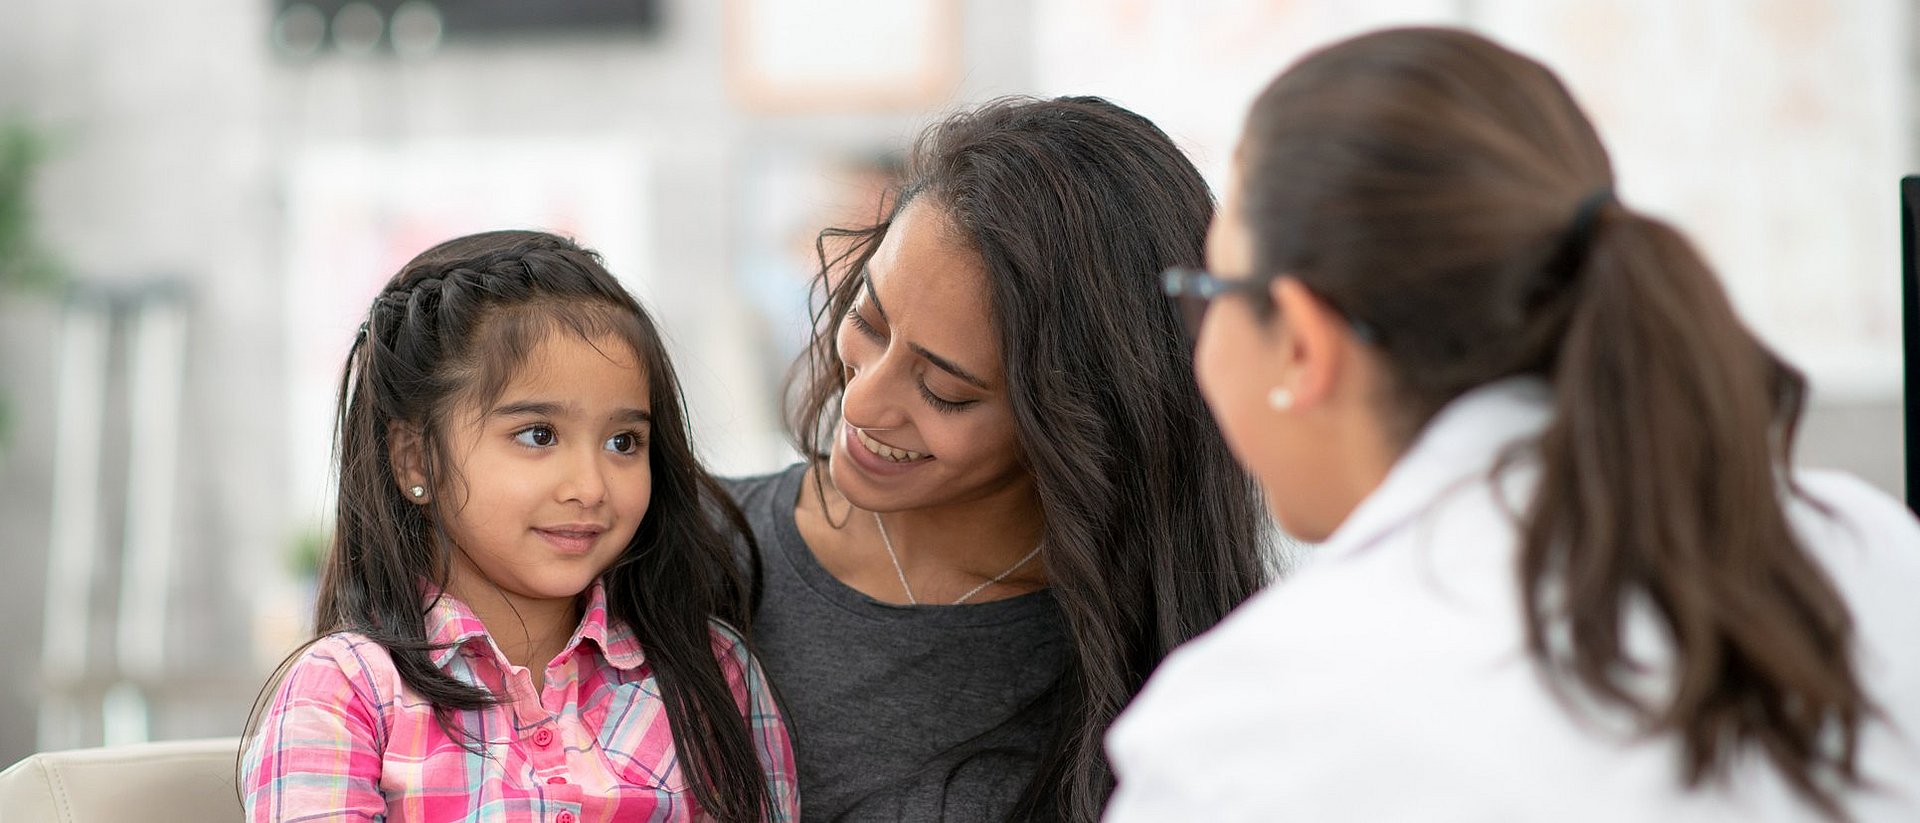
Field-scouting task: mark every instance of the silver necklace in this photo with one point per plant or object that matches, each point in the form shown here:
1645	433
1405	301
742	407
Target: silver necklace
902	573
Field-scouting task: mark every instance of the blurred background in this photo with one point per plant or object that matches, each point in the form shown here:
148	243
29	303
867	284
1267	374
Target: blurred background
199	197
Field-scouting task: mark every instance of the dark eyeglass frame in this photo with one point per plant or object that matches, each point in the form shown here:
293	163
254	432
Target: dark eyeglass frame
1194	290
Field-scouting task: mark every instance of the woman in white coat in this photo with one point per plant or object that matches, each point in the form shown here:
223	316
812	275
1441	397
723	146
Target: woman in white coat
1566	571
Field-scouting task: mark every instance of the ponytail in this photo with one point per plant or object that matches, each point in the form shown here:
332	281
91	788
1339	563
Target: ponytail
1663	478
1416	179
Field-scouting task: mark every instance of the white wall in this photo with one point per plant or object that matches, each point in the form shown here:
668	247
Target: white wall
178	130
178	127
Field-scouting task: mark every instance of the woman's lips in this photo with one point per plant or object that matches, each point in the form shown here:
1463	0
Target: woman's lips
874	463
897	455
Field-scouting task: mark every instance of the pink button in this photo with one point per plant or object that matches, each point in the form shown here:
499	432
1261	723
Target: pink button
543	738
563	817
556	781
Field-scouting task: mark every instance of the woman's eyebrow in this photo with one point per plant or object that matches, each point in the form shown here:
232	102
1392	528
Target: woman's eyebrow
945	365
948	366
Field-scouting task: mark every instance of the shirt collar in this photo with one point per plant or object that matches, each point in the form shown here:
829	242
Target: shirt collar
451	625
615	639
1467	438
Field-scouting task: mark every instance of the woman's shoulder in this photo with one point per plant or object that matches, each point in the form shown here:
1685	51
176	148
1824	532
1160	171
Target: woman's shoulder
750	490
1869	544
1844	499
1861	534
767	502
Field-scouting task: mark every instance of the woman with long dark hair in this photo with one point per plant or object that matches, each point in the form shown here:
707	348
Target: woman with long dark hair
1567	571
1013	503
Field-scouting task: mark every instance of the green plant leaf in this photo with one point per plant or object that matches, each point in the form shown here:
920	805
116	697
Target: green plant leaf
25	265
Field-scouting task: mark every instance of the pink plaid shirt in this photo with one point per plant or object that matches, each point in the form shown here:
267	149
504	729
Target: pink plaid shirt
344	739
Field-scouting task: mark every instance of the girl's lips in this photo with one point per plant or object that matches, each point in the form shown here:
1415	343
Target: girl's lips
870	463
571	541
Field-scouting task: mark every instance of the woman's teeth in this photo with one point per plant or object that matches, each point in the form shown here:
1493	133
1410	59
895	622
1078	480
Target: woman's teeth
886	451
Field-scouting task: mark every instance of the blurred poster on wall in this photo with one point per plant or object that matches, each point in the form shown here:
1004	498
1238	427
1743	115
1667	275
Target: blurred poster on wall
1772	132
842	55
1193	68
787	195
356	213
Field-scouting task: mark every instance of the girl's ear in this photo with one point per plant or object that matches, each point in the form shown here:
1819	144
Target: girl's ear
407	455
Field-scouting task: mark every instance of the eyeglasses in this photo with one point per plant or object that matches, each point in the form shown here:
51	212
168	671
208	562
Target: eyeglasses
1193	290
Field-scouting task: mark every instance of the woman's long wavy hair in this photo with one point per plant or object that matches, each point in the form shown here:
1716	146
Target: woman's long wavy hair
1431	184
1153	533
445	337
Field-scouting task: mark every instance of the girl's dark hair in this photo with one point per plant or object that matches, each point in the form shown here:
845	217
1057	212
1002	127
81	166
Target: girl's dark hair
1153	533
1429	183
445	337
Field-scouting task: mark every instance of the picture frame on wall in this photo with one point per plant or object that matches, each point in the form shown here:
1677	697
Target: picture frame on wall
842	55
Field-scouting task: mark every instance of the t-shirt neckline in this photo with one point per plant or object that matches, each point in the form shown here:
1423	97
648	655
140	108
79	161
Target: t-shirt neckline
800	558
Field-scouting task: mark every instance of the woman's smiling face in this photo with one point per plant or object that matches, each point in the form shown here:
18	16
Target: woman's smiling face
926	419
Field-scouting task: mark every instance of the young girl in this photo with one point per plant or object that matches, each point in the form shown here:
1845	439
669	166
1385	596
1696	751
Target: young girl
527	613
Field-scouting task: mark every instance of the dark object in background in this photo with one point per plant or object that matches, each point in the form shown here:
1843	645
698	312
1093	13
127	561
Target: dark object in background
1910	328
303	28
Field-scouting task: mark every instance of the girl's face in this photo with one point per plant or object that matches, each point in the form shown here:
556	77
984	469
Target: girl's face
926	420
553	478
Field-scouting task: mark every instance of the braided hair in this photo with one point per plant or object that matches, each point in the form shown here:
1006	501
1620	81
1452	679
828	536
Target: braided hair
448	333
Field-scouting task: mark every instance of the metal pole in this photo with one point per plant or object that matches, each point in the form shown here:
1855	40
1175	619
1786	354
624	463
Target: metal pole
156	373
74	542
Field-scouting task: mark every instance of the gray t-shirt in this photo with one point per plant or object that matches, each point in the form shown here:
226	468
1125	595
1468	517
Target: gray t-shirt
899	712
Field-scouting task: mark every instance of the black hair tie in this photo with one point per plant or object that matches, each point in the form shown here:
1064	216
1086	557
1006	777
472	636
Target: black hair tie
1580	231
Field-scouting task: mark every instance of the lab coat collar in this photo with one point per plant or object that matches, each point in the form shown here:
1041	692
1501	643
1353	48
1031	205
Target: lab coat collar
1462	443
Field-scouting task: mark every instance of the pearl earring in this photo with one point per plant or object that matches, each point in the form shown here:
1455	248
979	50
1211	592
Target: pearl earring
417	492
1280	398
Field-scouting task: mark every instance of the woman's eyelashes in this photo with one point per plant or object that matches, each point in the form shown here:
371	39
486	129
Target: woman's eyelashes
861	325
543	436
939	404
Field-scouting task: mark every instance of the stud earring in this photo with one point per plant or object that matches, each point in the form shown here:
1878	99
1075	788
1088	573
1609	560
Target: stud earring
417	492
1281	398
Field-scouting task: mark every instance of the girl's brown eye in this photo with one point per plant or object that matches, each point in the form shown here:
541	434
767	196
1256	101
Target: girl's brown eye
626	443
538	437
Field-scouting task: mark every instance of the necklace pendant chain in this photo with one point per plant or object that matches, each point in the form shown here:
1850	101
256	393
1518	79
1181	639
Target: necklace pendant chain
902	573
888	542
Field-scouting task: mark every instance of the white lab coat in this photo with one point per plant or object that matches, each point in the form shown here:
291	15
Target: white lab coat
1388	680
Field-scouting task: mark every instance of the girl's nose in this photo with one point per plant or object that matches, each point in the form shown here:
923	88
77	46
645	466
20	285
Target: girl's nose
584	481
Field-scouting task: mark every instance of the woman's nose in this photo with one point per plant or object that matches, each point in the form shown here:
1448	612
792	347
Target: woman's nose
872	396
